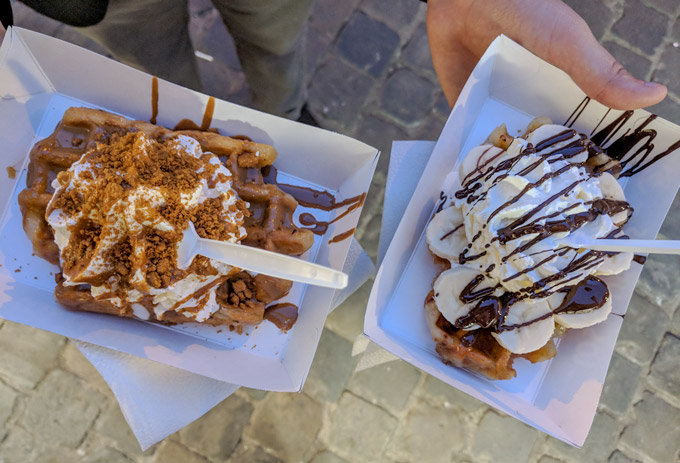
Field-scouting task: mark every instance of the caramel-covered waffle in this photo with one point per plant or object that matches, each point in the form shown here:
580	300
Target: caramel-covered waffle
242	298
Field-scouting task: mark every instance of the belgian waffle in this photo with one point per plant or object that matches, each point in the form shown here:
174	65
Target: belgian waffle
242	297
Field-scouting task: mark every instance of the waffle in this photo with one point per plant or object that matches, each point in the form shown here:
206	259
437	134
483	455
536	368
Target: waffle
242	297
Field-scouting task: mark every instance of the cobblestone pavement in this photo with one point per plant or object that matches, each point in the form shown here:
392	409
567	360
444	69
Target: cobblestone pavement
371	78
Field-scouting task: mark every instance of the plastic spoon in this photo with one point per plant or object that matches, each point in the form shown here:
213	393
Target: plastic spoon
257	260
635	246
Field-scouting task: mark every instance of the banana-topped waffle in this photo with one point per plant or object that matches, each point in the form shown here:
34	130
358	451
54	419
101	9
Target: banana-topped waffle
507	235
107	199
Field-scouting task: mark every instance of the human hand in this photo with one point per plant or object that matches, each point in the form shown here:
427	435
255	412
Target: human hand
460	31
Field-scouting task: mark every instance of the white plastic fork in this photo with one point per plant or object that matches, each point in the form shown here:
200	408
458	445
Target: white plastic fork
636	246
257	260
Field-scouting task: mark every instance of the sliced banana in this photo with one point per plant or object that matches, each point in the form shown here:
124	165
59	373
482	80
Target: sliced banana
585	319
615	264
611	189
476	157
532	336
445	233
447	289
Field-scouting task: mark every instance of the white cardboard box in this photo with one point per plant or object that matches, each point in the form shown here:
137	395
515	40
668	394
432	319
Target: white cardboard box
40	78
510	85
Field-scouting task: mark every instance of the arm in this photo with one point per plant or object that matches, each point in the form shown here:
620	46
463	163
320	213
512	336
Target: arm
459	32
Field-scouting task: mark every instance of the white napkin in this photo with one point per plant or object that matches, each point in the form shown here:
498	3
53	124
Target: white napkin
407	163
145	388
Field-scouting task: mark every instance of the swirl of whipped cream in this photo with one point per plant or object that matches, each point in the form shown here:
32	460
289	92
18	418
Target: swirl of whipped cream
118	214
510	226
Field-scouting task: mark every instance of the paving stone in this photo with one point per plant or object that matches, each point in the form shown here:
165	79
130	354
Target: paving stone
636	64
665	373
216	434
399	14
209	35
416	53
597	14
106	455
380	134
668	68
62	409
643	327
287	424
600	443
7	399
348	318
449	396
429	434
548	459
246	453
337	92
317	46
329	15
407	96
74	361
442	106
667	6
20	446
360	428
27	354
641	26
174	452
622	381
388	385
254	394
658	282
514	446
655	431
327	457
112	424
675	326
222	82
430	129
671	226
619	457
368	44
333	365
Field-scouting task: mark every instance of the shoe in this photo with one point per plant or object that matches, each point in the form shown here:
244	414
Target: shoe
306	117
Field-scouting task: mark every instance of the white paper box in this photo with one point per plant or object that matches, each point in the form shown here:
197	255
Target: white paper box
510	85
40	78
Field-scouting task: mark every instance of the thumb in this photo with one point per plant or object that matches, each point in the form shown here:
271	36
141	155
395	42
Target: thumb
596	71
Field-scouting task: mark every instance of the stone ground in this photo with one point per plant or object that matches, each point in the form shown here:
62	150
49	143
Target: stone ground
54	407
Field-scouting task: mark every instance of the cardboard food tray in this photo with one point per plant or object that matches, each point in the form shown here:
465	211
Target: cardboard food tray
512	86
42	77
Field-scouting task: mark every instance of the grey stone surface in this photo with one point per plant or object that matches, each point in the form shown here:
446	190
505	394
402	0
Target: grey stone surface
621	383
667	6
8	398
368	44
658	283
430	129
598	15
71	359
655	431
642	329
112	424
671	226
428	433
210	36
449	396
348	318
62	409
600	442
21	446
218	432
174	452
416	53
669	110
106	455
620	457
388	385
549	459
380	133
246	453
641	26
330	370
514	446
329	15
27	354
327	457
405	85
665	372
400	15
338	92
287	424
670	63
360	428
636	64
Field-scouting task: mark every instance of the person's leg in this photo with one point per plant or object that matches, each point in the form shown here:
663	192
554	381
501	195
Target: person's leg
151	35
270	41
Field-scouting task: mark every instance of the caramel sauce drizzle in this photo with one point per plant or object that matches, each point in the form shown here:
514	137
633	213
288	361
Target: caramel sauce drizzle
188	124
282	315
154	100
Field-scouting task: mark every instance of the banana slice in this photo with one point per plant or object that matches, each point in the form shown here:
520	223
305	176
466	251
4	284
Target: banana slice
611	189
445	233
448	286
477	157
532	336
585	319
615	264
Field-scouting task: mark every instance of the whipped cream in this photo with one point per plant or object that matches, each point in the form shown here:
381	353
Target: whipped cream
127	222
508	231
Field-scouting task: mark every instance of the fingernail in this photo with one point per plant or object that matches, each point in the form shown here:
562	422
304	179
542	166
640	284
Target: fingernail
652	84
